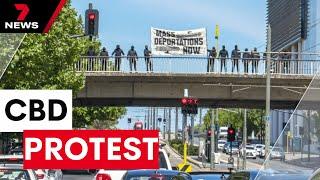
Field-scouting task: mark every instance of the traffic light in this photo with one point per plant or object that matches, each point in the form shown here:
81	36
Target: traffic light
129	120
208	135
91	22
231	134
189	105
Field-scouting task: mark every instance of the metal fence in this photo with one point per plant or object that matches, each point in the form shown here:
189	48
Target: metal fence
182	64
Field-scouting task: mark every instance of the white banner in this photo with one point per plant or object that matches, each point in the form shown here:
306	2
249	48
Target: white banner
35	110
190	42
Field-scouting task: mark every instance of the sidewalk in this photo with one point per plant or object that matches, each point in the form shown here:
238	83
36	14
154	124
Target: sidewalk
176	158
302	161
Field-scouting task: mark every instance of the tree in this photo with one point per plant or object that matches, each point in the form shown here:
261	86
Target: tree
46	61
97	117
235	118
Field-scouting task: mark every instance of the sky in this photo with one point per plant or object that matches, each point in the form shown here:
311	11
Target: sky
128	22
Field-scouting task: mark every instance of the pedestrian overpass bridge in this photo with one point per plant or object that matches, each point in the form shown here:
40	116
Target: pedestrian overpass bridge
164	88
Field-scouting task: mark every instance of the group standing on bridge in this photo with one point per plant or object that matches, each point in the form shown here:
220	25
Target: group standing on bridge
101	61
132	57
247	57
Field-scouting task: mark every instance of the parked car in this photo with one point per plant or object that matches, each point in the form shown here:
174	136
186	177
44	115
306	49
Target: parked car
156	175
221	144
250	152
277	153
164	164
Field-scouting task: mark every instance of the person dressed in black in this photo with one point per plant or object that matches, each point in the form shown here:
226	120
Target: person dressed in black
286	61
223	54
245	60
104	57
132	57
235	55
212	56
118	53
91	53
147	58
255	60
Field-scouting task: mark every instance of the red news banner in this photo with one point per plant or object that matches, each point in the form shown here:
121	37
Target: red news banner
91	149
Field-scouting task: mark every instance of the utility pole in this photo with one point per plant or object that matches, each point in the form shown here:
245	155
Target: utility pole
244	140
267	115
212	165
176	125
169	125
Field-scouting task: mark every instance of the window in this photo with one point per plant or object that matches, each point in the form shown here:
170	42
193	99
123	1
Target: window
162	161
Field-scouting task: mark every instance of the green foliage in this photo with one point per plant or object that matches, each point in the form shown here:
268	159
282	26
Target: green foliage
97	117
236	119
177	144
46	61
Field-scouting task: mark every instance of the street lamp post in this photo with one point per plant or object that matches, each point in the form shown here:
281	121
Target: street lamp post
267	115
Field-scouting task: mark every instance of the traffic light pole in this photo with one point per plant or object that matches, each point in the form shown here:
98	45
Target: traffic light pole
212	141
192	129
184	125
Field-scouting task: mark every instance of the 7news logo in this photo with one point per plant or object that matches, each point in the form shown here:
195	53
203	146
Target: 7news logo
29	16
21	23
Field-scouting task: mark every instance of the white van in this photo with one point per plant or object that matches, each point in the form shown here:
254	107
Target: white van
223	132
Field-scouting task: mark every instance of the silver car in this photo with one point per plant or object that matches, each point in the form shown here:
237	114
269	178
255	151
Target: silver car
277	153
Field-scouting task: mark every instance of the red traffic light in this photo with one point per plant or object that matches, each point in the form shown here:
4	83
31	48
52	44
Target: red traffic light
209	132
184	101
92	16
189	101
231	131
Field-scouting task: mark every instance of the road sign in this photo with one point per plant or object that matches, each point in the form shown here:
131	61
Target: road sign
230	160
185	167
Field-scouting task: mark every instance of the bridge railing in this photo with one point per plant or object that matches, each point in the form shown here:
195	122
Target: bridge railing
195	64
